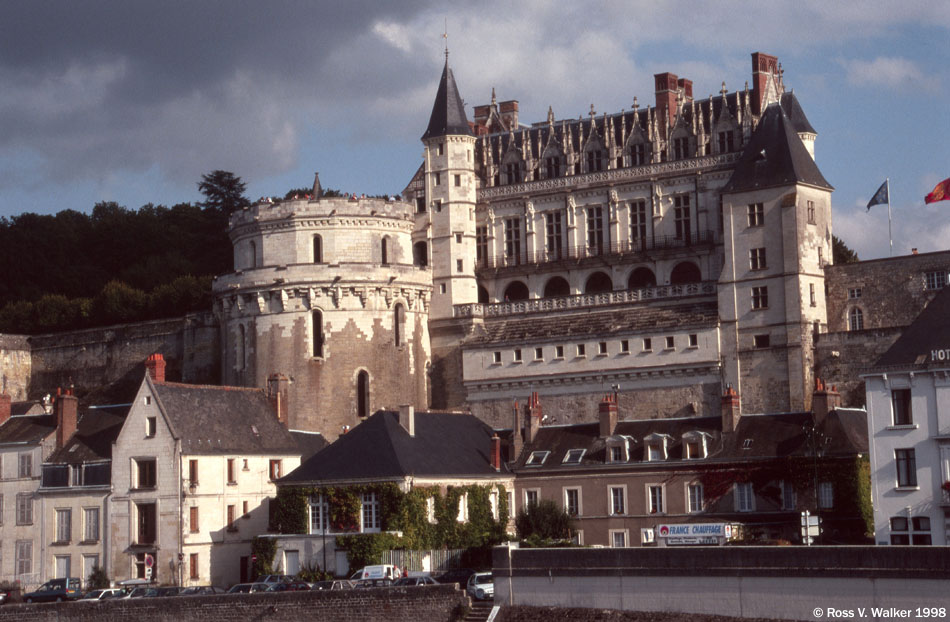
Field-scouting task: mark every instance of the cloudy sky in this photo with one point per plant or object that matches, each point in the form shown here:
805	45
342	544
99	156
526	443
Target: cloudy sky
133	101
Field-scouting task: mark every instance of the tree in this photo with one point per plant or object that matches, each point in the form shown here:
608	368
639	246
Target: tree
543	520
97	579
840	253
224	192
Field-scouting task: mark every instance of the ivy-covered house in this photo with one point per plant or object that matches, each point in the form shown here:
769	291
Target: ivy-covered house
750	477
399	480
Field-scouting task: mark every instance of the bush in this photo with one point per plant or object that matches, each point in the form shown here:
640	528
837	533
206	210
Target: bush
97	579
543	521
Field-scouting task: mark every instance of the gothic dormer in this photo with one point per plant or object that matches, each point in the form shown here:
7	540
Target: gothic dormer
656	447
637	149
681	143
594	149
725	132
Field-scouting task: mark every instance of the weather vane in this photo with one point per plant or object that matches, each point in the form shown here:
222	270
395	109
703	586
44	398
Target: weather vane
445	36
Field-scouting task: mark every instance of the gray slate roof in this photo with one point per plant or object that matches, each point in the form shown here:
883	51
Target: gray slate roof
96	430
445	444
448	112
775	156
930	331
27	429
608	321
216	420
309	443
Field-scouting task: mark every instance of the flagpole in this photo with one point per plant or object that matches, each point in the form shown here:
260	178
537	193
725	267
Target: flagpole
887	180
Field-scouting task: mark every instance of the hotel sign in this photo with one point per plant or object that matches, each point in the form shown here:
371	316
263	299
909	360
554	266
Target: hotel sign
940	355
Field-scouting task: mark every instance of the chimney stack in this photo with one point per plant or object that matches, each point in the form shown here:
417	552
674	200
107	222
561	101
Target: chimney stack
764	67
730	410
6	407
533	415
277	394
824	400
517	442
608	415
66	411
495	452
155	366
667	86
407	418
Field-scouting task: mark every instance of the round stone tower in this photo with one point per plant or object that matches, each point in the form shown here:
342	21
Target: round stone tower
325	309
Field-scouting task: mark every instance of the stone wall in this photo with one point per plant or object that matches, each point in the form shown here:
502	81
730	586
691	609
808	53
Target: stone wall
546	614
841	358
15	366
441	603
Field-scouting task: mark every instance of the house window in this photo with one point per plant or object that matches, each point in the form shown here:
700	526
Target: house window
624	346
617	500
681	217
900	407
760	297
899	528
581	349
647	344
694	497
745	501
145	473
24	509
193	565
146	523
574	456
921	534
24	557
572	501
362	394
537	458
655	499
539	354
318	248
811	295
554	240
513	240
756	215
319	514
231	516
855	319
370	512
654	452
670	342
76	471
530	498
26	464
761	341
317	319
618	538
638	223
149	427
231	475
616	453
595	230
193	519
558	352
462	514
811	211
517	355
192	473
935	280
91	525
826	495
496	357
64	525
906	467
693	340
757	259
602	348
275	469
789	497
854	293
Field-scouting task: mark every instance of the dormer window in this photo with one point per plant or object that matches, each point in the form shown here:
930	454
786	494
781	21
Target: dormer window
618	448
747	443
656	446
695	445
574	456
537	458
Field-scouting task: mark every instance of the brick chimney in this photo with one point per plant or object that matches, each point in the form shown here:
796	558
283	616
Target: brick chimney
6	403
517	441
608	415
763	67
687	87
277	394
824	400
667	85
730	410
533	417
66	411
407	418
495	452
155	366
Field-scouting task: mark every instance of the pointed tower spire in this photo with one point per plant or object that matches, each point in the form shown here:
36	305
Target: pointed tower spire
448	112
317	191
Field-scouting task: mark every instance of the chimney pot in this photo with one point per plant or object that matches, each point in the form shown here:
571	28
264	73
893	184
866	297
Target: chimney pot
407	418
66	412
155	365
608	415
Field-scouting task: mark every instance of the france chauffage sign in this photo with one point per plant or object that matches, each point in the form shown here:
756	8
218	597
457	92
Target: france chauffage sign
695	533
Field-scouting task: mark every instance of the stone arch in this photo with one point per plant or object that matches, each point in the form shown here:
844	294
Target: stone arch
641	277
516	290
482	294
420	254
557	286
685	272
598	283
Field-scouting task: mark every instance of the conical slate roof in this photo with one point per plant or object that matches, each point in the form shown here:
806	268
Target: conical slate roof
448	112
775	156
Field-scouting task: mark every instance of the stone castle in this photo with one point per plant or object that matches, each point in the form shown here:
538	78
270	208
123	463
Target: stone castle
664	252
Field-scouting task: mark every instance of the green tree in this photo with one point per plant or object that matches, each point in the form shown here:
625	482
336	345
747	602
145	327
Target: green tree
543	520
841	253
118	303
97	579
224	192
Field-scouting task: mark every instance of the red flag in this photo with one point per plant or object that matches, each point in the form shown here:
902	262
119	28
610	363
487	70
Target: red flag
941	192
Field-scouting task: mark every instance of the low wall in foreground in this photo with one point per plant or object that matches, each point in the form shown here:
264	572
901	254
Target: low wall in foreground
794	583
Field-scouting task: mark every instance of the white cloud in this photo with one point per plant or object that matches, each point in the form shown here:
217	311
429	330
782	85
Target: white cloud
887	72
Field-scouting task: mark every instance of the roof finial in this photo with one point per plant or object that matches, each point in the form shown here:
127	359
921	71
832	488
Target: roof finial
445	36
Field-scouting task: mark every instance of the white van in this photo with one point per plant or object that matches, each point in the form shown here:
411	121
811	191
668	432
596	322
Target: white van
382	571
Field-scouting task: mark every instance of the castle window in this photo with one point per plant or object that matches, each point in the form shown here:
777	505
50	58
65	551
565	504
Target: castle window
760	297
855	319
935	280
399	325
581	349
595	160
693	340
854	293
481	244
638	224
670	342
756	215
760	341
681	148
624	346
384	250
757	259
441	149
458	180
517	356
317	319
459	266
513	240
554	241
552	167
602	348
595	231
317	249
437	205
496	358
458	238
726	141
558	352
240	354
638	154
252	258
420	254
811	295
681	217
539	354
362	394
811	212
420	205
647	344
438	179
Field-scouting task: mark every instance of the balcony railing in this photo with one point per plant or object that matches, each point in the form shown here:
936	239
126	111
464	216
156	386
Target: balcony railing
620	247
565	303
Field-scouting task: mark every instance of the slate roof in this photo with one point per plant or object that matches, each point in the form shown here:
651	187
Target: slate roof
601	322
793	110
309	443
27	429
445	445
930	331
32	407
773	435
96	430
448	112
217	420
774	156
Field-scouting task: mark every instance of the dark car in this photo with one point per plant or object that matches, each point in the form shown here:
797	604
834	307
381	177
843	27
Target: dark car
458	575
203	590
54	591
249	588
337	584
10	594
405	581
168	590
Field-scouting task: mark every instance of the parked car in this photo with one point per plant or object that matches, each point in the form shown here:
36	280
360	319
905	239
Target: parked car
203	590
142	591
481	586
103	594
10	594
274	578
168	590
365	583
55	590
380	571
404	581
458	575
337	584
249	588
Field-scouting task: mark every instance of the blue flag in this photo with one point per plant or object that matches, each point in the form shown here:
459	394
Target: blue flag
880	196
